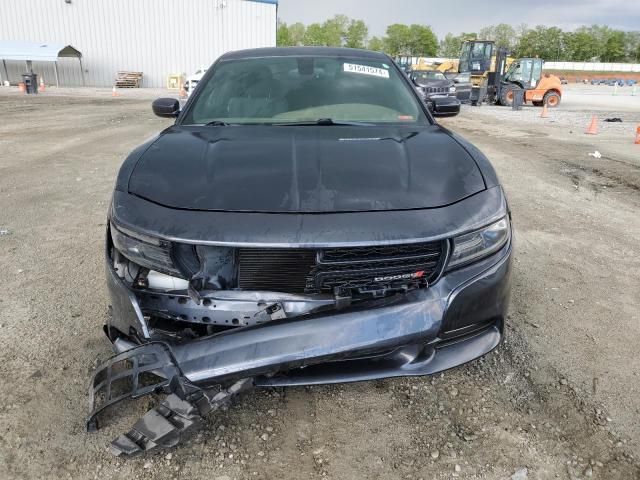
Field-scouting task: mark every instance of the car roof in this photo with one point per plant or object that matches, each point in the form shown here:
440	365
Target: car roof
304	51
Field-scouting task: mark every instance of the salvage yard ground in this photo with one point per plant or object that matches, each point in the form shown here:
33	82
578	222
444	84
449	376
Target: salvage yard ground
561	397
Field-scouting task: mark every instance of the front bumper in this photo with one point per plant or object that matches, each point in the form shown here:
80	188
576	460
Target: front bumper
425	331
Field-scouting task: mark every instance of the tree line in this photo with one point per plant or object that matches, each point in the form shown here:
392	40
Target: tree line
587	43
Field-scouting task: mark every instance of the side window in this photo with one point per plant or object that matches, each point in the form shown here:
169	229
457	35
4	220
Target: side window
515	72
487	51
537	72
526	71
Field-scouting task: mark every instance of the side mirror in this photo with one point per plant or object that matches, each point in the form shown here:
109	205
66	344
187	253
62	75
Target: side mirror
166	107
444	106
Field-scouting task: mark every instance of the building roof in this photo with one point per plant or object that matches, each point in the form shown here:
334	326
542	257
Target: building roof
37	52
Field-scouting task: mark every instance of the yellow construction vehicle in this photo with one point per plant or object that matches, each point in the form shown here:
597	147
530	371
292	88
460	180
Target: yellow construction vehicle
495	76
447	66
416	64
483	60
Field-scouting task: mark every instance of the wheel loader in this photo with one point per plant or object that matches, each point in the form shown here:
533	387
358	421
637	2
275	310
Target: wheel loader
496	76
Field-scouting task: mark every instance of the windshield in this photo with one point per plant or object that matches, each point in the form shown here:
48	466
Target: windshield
475	57
426	76
291	89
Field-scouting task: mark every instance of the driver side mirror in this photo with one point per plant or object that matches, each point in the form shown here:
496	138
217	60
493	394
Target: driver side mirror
166	107
444	106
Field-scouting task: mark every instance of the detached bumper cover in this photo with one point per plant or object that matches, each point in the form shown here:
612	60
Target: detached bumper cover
406	333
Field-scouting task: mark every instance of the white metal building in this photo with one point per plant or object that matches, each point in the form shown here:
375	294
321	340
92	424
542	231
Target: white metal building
156	37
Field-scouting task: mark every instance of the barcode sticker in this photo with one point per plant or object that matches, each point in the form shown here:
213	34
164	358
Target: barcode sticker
366	70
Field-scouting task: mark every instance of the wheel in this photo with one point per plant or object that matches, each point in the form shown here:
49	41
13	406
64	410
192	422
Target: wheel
506	95
552	99
537	104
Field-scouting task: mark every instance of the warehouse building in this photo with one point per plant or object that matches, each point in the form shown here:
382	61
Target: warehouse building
155	37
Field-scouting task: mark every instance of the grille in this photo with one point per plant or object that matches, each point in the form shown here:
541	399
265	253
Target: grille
274	269
321	271
437	89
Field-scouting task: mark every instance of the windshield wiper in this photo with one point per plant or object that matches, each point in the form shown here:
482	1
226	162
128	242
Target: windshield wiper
216	123
322	122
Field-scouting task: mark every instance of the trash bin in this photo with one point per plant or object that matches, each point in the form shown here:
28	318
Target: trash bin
30	81
518	98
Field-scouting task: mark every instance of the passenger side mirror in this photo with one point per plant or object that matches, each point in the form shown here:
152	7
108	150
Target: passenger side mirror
444	106
166	107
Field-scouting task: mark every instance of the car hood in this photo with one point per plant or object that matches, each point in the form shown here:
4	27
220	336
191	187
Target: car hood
434	83
305	169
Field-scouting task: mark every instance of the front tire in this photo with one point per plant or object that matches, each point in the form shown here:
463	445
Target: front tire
506	95
552	99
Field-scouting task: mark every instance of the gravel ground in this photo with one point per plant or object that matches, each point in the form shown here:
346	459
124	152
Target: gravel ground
559	399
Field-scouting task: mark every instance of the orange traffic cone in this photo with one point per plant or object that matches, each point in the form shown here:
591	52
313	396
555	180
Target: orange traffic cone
42	86
21	87
637	142
545	111
114	92
183	92
593	126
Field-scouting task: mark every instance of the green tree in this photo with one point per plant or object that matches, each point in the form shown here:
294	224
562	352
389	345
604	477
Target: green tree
586	43
376	44
356	36
422	41
451	45
614	47
335	30
314	35
543	42
632	46
580	46
599	35
296	33
502	34
521	30
486	33
505	36
397	40
283	36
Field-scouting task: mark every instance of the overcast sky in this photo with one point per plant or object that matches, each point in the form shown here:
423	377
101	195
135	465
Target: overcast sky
467	15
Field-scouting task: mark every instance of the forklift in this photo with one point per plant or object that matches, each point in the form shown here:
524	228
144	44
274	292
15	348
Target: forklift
496	76
526	74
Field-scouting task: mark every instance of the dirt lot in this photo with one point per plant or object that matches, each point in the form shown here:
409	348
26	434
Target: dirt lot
561	397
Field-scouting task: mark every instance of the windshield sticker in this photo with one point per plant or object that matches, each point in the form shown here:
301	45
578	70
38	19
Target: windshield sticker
366	70
405	117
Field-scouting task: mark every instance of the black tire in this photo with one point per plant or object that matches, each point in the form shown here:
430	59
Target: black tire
551	99
506	95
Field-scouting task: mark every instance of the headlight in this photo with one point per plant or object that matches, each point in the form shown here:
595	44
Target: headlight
452	89
149	252
481	243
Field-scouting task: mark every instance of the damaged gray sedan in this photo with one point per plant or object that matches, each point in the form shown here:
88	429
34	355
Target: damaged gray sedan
304	221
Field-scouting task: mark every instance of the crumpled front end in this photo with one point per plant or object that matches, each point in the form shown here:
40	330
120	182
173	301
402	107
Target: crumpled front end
289	339
204	316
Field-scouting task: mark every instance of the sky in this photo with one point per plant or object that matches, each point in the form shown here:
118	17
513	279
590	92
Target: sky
449	15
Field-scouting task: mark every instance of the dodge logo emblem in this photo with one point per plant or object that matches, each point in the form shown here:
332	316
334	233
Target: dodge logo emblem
403	276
